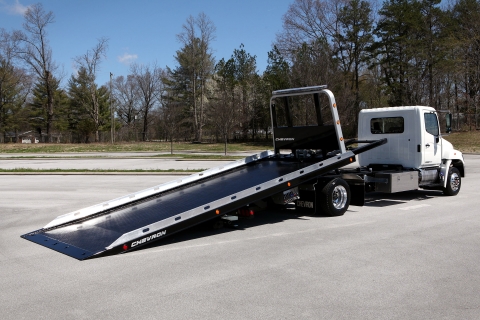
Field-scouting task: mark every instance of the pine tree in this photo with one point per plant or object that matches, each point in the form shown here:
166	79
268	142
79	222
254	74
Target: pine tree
87	116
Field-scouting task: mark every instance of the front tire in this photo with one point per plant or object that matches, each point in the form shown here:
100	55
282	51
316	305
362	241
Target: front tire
454	182
335	197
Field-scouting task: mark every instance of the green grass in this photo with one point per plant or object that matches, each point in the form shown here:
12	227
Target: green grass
131	147
464	141
189	156
180	156
467	142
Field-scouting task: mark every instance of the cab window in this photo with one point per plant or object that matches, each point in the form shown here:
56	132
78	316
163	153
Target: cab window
431	123
387	125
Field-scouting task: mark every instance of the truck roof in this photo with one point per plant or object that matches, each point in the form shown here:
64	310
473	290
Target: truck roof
403	108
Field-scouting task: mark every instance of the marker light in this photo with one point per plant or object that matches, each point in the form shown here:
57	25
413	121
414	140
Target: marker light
217	211
125	247
289	184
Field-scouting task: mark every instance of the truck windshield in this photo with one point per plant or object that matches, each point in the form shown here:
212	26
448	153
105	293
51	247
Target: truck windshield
387	125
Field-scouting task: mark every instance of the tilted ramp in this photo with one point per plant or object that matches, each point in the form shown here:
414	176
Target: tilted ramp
138	219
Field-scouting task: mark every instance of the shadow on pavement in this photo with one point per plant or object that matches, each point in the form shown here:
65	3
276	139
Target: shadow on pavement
207	229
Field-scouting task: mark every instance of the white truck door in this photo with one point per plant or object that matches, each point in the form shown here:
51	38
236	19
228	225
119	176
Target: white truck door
431	143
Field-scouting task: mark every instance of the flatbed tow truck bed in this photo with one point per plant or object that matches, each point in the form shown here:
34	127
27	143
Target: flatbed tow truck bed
135	220
138	222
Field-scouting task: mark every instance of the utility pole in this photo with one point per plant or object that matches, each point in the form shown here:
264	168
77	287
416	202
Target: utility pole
112	129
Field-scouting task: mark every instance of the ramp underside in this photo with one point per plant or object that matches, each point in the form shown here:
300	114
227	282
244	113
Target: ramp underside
87	238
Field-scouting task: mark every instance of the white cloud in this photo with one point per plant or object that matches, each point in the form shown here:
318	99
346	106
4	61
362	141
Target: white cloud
14	9
127	58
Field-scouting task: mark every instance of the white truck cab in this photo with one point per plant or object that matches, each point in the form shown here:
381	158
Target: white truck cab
414	143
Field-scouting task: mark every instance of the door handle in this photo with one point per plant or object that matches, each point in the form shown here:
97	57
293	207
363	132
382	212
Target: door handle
427	145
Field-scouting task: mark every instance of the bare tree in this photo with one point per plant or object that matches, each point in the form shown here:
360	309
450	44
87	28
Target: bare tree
223	112
309	28
38	54
170	116
126	95
306	22
149	85
90	62
309	42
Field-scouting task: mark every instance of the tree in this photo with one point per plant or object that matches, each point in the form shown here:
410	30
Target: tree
89	110
276	77
223	112
245	71
306	22
14	84
126	96
465	40
170	113
353	37
149	88
277	72
307	44
398	45
38	54
195	67
38	108
434	53
89	64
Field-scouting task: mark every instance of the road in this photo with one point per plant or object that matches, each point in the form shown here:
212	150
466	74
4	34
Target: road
109	161
109	164
413	255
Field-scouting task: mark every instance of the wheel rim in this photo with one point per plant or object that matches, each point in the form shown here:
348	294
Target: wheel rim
454	181
339	197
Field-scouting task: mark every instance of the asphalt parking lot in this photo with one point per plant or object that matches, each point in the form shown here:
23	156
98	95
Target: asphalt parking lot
412	255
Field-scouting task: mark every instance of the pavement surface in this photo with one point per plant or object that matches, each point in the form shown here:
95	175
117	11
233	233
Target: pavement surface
110	164
109	161
412	255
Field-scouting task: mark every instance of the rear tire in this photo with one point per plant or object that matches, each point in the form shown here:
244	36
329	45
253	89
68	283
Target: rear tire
454	182
335	197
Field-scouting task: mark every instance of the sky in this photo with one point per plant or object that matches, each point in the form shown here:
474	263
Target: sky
145	32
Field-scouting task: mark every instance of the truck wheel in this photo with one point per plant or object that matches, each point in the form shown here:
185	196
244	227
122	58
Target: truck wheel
454	182
335	197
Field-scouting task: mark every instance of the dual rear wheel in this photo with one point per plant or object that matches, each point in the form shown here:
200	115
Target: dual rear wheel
335	197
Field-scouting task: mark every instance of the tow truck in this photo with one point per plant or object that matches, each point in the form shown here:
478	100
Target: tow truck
398	149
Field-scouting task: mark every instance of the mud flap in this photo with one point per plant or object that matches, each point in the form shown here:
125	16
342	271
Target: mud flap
357	189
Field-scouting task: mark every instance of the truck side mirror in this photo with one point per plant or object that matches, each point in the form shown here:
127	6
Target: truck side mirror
448	119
